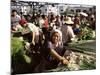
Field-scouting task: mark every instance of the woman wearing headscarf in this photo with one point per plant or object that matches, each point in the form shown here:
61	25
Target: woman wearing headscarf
55	50
52	52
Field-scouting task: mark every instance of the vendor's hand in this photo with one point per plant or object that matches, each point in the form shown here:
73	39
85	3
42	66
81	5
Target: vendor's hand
64	61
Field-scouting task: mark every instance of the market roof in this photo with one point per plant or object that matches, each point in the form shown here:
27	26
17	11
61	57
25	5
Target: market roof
84	2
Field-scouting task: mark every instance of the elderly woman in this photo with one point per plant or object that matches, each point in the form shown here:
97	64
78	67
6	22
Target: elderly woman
56	47
52	52
55	50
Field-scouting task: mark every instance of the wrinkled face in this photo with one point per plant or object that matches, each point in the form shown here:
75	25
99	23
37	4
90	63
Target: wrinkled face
55	37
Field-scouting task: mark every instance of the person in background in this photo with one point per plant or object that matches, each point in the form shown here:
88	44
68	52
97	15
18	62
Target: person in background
65	18
67	31
76	25
29	18
30	31
41	22
58	22
36	20
83	19
62	19
15	18
51	17
92	22
45	27
46	23
52	24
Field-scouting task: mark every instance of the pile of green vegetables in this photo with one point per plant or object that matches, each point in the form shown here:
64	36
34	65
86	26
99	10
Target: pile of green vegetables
86	34
18	52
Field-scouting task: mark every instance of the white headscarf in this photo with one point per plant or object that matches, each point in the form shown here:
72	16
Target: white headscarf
58	31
